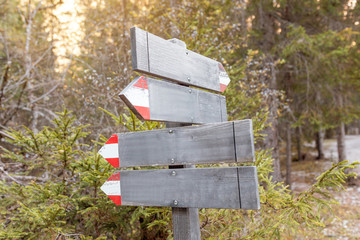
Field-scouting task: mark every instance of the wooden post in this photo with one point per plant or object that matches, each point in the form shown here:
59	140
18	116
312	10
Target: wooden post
184	188
186	224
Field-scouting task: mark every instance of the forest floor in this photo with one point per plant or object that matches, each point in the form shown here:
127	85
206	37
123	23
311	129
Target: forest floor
304	173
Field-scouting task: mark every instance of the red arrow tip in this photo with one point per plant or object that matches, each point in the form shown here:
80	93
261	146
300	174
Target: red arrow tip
112	188
110	151
137	97
144	112
113	139
141	83
113	161
116	199
223	77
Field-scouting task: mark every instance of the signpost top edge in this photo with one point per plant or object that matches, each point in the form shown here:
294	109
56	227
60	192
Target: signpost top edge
193	70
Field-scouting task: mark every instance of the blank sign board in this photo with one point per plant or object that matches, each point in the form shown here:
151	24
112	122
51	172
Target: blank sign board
161	58
200	144
232	187
156	100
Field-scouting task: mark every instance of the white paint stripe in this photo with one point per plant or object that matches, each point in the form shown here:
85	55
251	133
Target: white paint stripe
138	96
224	78
111	188
110	151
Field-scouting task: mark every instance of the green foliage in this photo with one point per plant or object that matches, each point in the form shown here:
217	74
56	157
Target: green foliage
55	193
248	94
53	188
132	123
282	213
325	81
155	221
64	200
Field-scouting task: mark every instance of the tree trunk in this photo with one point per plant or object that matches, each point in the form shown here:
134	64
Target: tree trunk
320	143
29	67
298	143
271	139
288	154
341	142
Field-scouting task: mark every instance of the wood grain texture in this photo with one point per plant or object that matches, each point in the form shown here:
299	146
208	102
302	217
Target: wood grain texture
191	188
199	144
186	223
244	141
249	188
170	102
173	62
139	58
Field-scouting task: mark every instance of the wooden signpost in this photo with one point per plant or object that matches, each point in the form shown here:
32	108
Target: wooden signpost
161	58
200	144
186	187
157	100
180	146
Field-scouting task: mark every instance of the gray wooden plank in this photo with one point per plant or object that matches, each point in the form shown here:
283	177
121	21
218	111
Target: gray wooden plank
244	140
175	63
191	188
186	224
209	143
224	116
170	102
199	144
249	187
230	187
188	187
139	58
178	42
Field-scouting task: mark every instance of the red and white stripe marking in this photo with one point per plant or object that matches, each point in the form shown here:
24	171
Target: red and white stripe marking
110	151
138	95
224	78
112	188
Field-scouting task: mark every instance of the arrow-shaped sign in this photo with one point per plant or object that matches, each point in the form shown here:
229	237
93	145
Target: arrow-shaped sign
232	187
200	144
112	188
157	100
110	151
158	57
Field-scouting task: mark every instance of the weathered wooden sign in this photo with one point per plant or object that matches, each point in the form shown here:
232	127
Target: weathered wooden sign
231	187
182	187
157	100
158	57
208	143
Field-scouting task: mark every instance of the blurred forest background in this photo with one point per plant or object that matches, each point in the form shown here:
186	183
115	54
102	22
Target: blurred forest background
295	70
